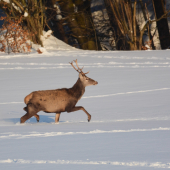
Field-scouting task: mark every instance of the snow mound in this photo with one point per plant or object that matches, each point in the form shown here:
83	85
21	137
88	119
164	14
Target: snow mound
52	43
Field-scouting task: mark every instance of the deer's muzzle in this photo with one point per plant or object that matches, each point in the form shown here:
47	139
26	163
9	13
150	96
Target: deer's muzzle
95	83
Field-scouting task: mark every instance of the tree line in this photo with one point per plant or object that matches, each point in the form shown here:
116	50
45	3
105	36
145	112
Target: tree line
71	21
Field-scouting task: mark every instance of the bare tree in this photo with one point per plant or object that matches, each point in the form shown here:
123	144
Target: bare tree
123	18
122	14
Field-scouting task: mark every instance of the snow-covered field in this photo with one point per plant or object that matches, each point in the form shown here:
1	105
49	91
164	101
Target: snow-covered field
130	125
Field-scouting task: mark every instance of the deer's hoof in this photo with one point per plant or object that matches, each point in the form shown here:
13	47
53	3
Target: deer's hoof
89	118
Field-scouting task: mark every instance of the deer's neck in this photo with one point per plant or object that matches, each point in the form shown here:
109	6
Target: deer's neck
78	89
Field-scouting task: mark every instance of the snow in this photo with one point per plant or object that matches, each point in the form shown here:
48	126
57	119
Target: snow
58	17
7	1
16	7
51	43
25	14
130	125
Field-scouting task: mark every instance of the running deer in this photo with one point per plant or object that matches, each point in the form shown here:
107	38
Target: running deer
59	100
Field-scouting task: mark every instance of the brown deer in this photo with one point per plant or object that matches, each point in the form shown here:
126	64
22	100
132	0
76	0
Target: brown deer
59	100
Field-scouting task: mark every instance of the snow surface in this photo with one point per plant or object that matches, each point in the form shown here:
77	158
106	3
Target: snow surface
25	14
130	125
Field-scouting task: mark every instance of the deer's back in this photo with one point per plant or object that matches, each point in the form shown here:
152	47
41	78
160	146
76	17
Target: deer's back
59	100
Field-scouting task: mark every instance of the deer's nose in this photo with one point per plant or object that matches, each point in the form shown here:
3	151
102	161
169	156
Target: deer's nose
95	83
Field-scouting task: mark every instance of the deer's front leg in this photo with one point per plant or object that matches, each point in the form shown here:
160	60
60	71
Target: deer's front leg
80	108
57	117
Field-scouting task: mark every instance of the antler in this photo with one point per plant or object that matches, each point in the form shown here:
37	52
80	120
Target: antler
78	66
74	67
79	69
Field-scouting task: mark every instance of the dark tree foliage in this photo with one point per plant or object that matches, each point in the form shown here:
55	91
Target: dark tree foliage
162	24
55	24
77	16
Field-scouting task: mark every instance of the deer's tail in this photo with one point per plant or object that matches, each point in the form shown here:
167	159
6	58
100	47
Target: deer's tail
27	98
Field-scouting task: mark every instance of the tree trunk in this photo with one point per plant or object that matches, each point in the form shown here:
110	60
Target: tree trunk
78	17
134	25
162	24
148	28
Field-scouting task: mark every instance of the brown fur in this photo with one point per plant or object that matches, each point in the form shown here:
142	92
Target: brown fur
57	101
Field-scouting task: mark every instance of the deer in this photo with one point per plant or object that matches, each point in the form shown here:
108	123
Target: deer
59	100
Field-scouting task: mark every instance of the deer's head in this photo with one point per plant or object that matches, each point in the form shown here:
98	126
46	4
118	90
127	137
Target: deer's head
82	76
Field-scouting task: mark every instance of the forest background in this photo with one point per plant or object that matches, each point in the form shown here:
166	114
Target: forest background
90	24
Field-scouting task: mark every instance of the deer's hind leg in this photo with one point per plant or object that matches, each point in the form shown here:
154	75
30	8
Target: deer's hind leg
25	117
31	111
